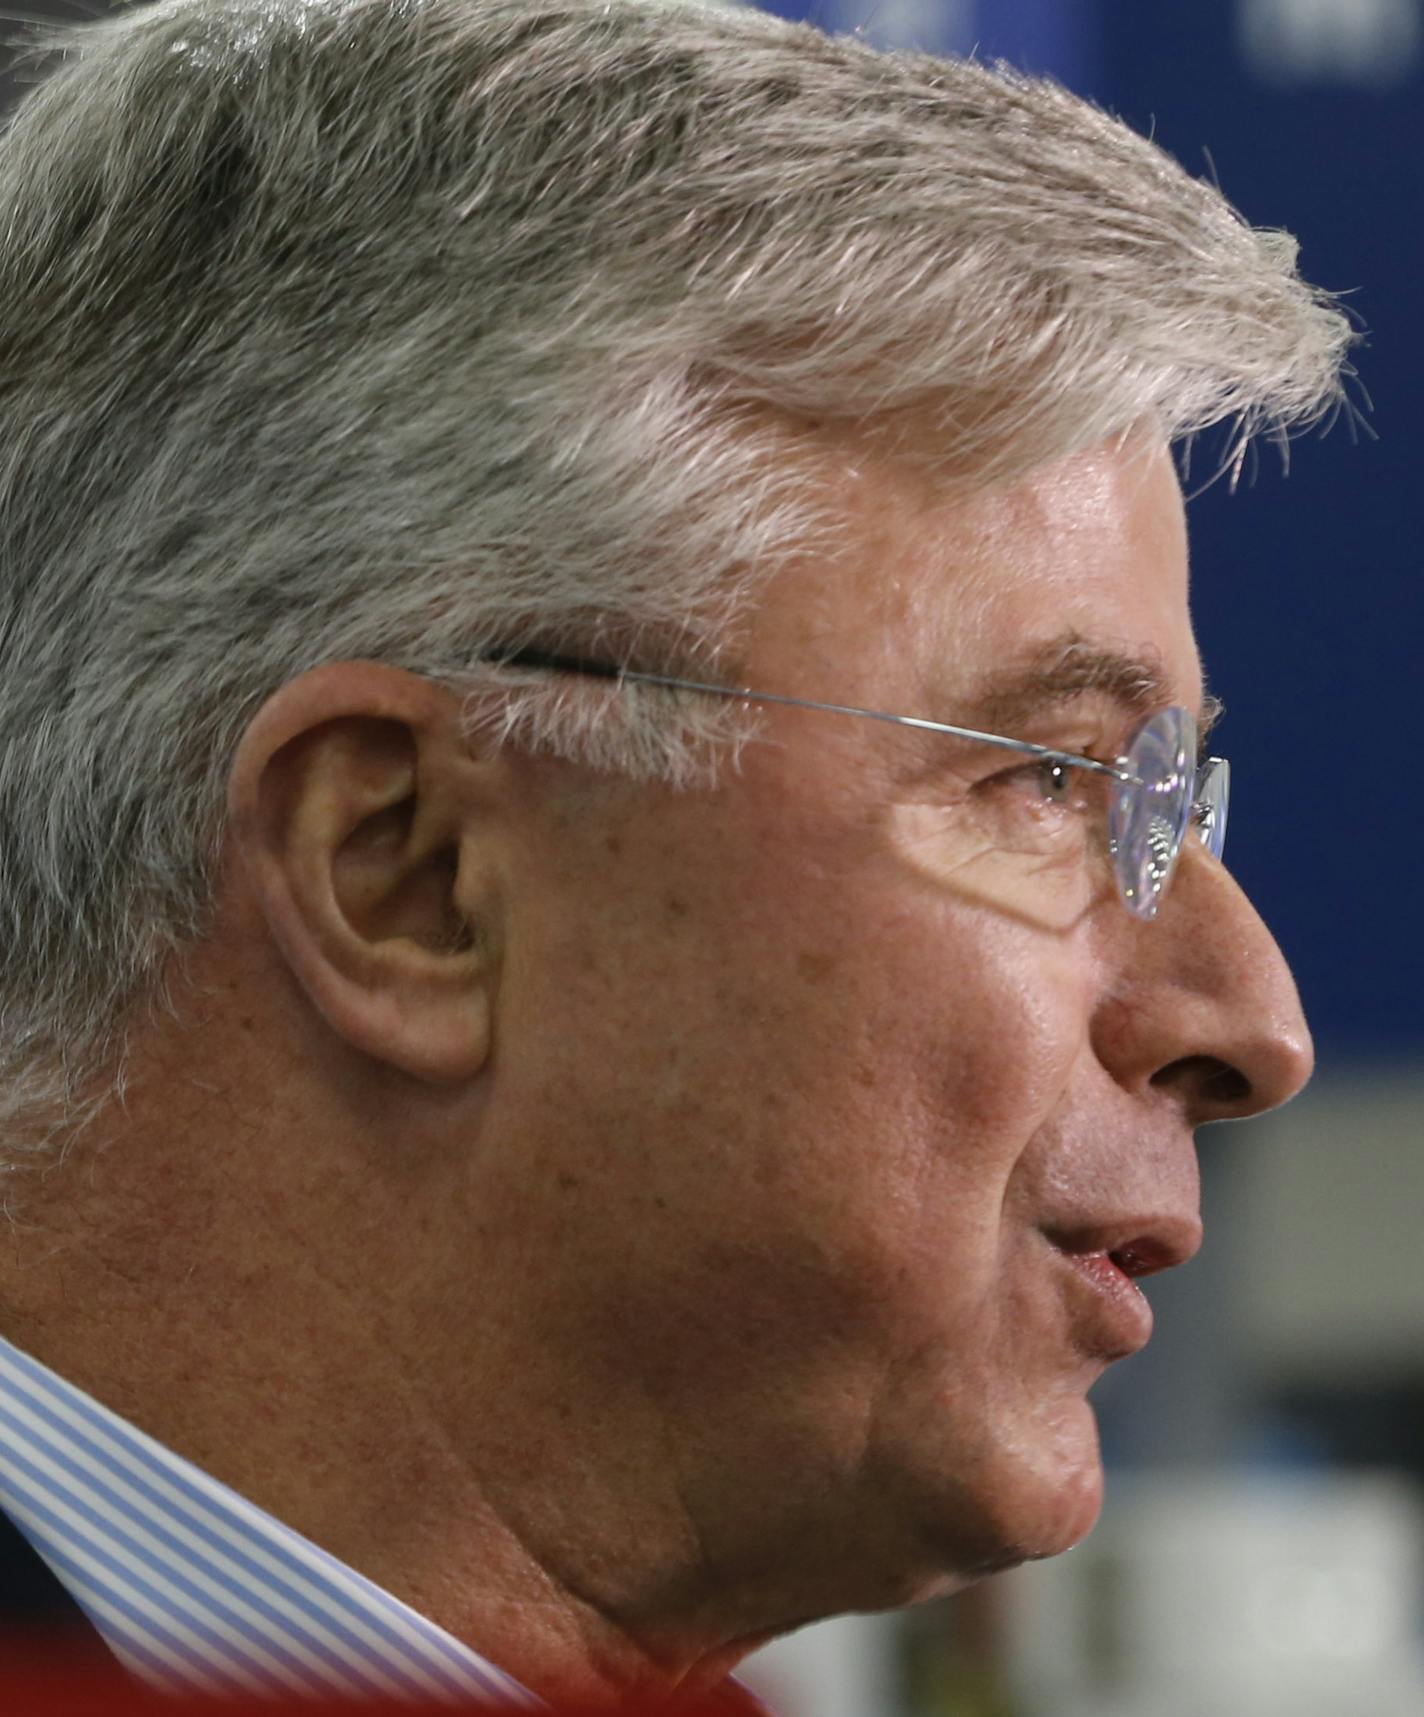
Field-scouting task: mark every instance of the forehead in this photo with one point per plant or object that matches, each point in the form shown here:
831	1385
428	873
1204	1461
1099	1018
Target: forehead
953	597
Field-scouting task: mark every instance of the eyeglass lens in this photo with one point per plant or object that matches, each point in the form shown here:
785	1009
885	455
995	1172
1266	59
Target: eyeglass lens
1150	811
1213	796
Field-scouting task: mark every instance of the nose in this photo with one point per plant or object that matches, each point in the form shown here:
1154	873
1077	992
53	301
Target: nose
1201	1006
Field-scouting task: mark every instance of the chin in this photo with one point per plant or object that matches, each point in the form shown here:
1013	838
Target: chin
1034	1490
1069	1516
1054	1483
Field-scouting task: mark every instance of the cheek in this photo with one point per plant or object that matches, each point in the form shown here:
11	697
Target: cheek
885	1100
989	853
841	1066
985	1020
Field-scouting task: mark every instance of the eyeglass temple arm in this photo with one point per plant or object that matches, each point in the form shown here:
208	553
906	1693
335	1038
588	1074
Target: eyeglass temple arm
539	659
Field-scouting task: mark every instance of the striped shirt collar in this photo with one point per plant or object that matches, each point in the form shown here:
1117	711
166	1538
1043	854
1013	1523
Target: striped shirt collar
192	1586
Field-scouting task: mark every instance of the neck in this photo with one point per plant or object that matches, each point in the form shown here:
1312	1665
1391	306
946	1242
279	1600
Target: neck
285	1344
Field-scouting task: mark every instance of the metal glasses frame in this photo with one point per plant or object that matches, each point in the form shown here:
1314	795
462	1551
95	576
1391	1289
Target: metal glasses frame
1142	876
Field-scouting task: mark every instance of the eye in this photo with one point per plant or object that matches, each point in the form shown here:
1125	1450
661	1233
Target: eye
1043	807
1056	781
1048	782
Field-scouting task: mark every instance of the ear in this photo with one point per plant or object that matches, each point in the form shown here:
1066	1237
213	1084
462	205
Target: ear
368	835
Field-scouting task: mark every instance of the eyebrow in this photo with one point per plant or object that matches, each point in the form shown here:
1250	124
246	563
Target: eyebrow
1072	667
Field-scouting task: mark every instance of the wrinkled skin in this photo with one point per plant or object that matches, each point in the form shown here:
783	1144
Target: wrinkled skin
828	1087
723	1234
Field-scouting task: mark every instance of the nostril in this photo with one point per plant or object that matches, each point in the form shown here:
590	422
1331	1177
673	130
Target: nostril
1216	1083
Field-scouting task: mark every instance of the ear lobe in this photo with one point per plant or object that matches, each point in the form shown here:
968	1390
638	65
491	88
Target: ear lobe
367	845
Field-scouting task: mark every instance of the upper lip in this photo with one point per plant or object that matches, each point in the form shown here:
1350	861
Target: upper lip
1138	1245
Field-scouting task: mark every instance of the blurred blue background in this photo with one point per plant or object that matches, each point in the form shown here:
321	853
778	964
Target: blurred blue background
1310	114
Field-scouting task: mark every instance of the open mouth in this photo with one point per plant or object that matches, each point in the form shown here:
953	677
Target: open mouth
1115	1318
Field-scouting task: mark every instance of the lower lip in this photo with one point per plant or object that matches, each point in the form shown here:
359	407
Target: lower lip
1120	1319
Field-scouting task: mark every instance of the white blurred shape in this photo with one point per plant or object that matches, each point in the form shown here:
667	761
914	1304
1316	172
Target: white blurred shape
1369	42
1282	1599
841	1668
1350	1611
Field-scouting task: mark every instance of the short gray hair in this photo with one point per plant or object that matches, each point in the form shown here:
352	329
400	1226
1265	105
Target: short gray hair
416	329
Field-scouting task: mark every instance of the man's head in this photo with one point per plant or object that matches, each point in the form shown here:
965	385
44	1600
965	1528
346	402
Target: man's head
702	1147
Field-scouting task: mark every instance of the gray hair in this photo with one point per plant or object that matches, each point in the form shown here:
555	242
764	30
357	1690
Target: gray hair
417	329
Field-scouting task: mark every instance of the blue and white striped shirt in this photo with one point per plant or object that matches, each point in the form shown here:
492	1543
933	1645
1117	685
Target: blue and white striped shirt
192	1586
